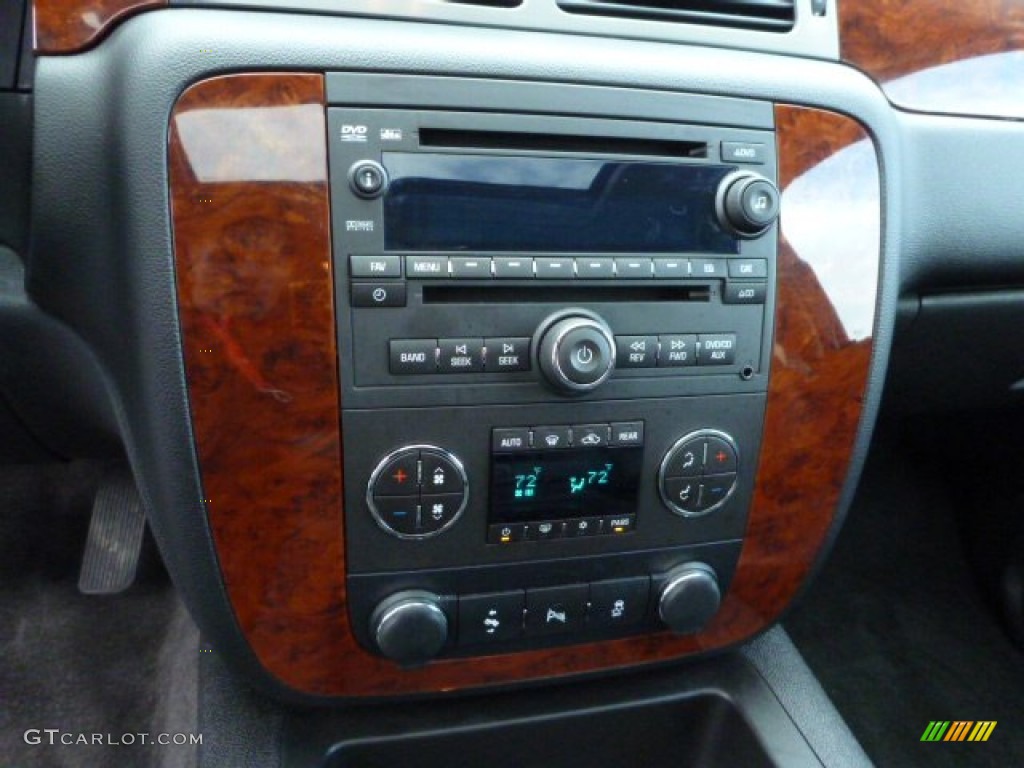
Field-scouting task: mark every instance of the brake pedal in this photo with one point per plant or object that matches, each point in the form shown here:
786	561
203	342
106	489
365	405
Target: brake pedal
115	537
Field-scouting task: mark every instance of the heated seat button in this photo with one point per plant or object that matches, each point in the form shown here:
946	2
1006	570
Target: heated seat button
688	459
553	610
439	474
684	492
619	602
490	618
400	477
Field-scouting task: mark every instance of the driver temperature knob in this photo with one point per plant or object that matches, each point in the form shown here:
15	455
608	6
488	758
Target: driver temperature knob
410	627
690	598
576	350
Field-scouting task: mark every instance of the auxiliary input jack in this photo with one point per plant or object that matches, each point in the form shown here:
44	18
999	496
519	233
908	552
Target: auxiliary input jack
747	372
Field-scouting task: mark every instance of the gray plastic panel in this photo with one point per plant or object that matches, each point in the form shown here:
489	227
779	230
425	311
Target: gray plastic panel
812	35
102	238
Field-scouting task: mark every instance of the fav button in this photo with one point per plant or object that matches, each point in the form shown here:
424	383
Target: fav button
375	266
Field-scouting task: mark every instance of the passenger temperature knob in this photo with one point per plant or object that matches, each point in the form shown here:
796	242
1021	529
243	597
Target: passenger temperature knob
689	598
410	627
747	204
576	350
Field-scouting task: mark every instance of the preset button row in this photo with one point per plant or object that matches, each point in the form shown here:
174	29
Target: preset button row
558	267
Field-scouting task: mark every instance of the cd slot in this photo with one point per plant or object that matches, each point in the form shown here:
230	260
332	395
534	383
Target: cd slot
544	294
606	145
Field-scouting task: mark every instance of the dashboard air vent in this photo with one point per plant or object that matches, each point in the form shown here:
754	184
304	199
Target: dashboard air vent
765	15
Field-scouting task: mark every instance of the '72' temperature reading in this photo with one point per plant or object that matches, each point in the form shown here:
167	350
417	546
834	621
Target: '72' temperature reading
593	477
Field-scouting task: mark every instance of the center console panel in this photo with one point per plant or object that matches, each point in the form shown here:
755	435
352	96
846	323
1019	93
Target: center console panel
490	396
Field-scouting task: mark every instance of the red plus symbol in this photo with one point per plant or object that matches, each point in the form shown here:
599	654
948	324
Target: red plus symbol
400	476
721	456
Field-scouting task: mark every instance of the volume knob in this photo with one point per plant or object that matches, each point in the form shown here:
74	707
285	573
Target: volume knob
410	627
576	350
747	204
690	598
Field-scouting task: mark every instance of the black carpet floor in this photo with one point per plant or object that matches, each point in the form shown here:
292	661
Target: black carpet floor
85	665
897	630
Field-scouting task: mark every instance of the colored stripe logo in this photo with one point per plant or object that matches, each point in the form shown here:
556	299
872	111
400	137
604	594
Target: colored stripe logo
958	730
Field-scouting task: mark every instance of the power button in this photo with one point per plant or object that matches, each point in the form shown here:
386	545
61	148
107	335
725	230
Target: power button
368	179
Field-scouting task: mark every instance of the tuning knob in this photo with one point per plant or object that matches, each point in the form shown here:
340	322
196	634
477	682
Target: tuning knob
747	204
410	627
576	350
689	598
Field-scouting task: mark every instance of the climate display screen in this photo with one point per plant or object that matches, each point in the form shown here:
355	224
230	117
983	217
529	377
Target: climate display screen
556	485
495	203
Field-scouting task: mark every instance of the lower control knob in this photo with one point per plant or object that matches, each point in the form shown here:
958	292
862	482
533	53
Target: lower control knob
690	598
410	627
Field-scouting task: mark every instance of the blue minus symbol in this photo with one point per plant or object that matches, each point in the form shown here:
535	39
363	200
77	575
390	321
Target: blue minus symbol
400	513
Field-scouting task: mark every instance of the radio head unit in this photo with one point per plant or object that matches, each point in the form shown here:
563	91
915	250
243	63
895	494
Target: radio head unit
554	337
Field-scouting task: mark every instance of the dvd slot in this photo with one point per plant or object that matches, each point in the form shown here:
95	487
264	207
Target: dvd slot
553	294
445	138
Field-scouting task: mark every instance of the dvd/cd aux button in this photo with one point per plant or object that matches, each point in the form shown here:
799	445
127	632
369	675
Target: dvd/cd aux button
595	269
506	354
434	267
671	269
470	268
629	268
512	268
716	349
413	356
554	269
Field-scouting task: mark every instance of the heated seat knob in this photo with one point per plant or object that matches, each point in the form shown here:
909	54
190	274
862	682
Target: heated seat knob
747	204
689	598
409	627
576	350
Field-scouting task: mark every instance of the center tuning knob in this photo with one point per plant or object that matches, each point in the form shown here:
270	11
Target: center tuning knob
575	350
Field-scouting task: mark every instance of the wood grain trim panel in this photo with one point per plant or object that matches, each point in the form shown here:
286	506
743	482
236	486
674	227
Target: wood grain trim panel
254	289
68	26
952	56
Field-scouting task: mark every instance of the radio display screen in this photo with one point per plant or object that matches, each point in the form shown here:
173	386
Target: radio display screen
558	485
439	202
